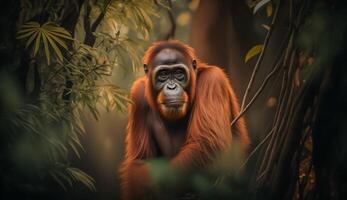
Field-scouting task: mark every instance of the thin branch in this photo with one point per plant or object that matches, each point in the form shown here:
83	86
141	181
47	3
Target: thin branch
100	17
285	119
171	33
90	28
284	99
261	175
271	73
261	56
261	88
86	19
256	148
278	63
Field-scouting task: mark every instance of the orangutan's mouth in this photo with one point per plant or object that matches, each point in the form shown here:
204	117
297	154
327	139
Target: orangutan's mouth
174	103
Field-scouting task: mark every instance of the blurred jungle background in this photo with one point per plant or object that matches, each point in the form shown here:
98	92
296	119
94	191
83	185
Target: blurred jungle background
67	67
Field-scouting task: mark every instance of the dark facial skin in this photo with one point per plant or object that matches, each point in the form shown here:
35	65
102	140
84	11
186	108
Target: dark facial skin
170	78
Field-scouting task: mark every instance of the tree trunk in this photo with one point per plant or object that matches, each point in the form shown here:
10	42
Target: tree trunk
309	96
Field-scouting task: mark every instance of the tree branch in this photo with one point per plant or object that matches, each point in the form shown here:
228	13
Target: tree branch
171	33
86	19
101	16
90	28
261	56
260	89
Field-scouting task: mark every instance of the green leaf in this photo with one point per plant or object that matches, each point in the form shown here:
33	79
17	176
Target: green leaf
45	44
61	35
48	24
31	39
79	175
31	25
60	182
55	48
21	35
74	148
57	29
50	33
253	52
64	176
58	40
37	43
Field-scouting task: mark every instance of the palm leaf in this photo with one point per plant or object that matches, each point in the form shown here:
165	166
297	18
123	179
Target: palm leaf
25	34
31	39
58	40
37	43
58	180
55	47
51	35
31	25
45	44
79	175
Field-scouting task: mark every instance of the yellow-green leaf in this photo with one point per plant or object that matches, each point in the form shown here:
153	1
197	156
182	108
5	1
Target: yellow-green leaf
269	9
56	33
48	24
37	43
60	30
23	34
51	35
73	147
45	44
58	40
58	181
30	25
31	39
55	48
253	52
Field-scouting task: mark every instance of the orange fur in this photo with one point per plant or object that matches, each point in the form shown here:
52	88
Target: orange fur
170	113
213	105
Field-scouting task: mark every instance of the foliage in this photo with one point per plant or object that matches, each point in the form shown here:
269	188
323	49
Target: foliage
256	5
65	74
291	165
134	13
253	52
50	33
